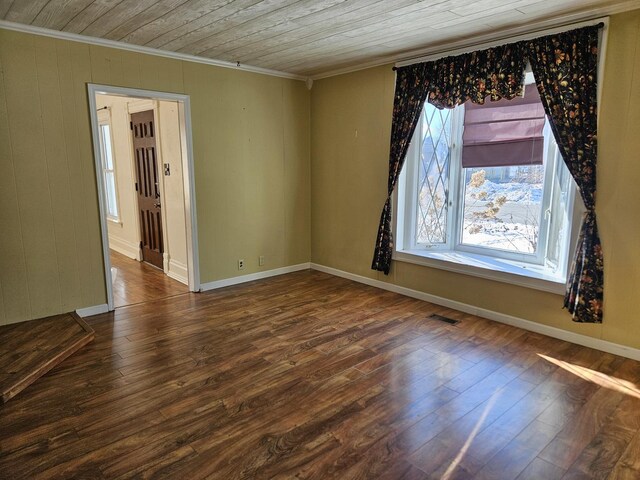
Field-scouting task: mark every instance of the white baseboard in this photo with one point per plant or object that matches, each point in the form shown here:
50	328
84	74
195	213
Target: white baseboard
178	271
95	310
253	276
595	343
126	248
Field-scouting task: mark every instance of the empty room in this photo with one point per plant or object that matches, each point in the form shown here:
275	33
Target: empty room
350	239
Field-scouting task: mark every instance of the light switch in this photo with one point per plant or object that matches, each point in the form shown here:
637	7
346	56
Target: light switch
167	170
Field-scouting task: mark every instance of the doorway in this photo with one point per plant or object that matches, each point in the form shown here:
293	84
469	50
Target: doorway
144	174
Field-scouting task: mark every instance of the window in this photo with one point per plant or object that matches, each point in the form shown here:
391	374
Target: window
108	168
485	185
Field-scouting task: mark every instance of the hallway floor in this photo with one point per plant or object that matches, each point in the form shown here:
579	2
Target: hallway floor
137	282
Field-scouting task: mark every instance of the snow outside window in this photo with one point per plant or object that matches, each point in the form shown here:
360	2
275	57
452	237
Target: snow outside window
487	180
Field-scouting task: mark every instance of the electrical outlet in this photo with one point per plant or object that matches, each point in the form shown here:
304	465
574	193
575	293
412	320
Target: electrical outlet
261	260
241	264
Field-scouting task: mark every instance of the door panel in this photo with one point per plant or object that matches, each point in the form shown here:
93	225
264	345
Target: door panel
147	187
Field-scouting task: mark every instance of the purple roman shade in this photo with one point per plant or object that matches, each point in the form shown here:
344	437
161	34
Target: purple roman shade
505	132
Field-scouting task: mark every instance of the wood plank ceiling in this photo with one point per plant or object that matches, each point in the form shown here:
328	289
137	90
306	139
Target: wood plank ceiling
305	37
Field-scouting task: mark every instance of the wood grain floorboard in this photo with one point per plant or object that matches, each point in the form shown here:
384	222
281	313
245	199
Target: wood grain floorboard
137	282
311	376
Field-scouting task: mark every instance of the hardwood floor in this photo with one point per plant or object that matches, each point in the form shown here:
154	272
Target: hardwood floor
307	375
137	282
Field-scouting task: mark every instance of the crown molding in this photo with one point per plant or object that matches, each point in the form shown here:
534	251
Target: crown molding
562	21
565	21
74	37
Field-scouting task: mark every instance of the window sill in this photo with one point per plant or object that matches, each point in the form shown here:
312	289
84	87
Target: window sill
499	270
113	220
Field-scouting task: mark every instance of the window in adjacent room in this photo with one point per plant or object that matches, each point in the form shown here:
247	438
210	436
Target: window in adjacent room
108	165
486	183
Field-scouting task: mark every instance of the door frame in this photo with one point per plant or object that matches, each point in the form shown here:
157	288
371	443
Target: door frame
184	114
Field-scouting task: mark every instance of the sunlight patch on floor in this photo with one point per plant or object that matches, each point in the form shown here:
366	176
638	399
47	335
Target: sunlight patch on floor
476	429
599	378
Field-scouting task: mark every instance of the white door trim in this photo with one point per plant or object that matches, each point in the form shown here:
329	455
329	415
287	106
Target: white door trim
184	109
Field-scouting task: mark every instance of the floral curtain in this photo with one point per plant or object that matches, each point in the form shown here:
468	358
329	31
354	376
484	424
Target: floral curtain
495	73
450	81
565	68
411	90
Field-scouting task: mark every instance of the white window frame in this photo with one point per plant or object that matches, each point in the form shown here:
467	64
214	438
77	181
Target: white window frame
104	118
512	267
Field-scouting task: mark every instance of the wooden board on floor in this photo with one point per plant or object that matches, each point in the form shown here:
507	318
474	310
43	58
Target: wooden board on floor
28	350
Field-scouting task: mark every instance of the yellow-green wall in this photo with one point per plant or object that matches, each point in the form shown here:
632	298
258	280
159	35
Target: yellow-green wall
258	192
251	151
350	127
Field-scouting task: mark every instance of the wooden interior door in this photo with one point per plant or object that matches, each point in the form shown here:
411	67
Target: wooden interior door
147	187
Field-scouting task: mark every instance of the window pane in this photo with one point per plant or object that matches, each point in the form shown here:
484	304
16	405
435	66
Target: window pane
433	176
559	228
106	145
502	207
110	190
